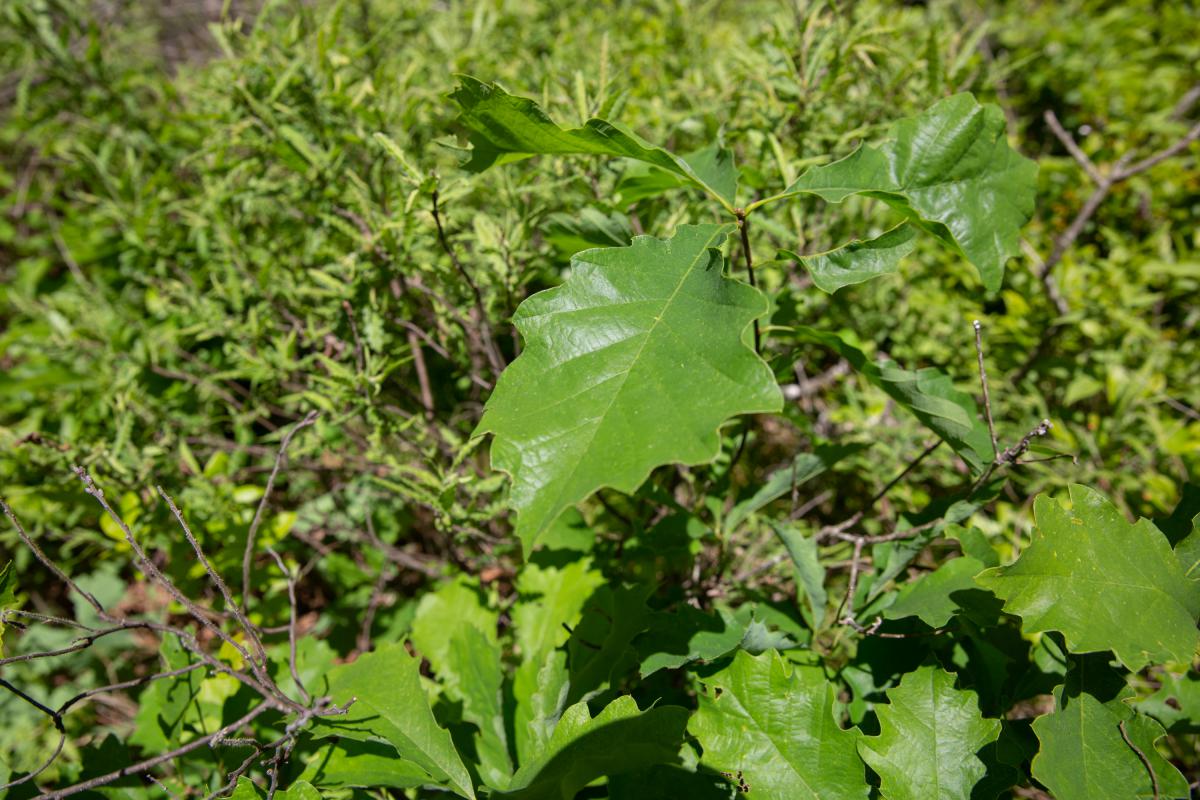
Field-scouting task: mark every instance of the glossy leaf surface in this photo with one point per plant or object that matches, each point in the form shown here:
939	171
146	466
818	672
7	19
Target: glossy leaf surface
951	172
506	128
774	723
929	734
858	261
634	362
618	740
390	705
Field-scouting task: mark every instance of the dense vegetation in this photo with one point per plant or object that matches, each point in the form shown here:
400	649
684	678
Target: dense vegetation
301	498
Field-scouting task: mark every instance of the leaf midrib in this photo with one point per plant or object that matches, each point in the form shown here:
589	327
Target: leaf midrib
570	477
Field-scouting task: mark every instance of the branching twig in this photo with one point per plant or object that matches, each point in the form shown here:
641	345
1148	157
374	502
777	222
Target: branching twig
1103	180
987	399
291	589
248	554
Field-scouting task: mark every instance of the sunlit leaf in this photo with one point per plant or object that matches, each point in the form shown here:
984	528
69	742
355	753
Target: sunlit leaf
633	363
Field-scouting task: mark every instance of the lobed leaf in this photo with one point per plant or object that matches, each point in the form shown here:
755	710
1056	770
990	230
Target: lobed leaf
950	171
773	723
618	740
1104	583
390	705
634	362
505	128
858	261
929	735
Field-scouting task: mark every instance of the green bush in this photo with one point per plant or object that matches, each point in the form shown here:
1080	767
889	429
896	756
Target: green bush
276	237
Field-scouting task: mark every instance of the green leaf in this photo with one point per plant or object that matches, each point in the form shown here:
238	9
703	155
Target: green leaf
458	635
929	735
601	648
806	557
948	170
687	635
774	723
505	128
551	603
932	597
570	233
8	594
804	467
927	393
858	261
300	790
1104	583
618	740
8	586
632	363
351	764
390	705
475	675
1085	756
246	789
670	782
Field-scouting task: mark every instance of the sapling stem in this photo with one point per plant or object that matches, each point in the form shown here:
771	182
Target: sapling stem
744	229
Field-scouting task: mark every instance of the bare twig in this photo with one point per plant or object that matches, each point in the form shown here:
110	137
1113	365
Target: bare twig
47	563
248	554
1068	142
62	741
233	607
744	230
291	589
150	763
983	381
1104	181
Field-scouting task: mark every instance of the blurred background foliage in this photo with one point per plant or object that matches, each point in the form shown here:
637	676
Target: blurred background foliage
214	220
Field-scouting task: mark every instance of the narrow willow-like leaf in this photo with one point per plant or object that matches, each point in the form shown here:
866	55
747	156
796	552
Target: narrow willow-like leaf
773	723
506	128
618	740
390	705
927	393
858	261
804	467
1103	583
929	734
550	605
634	362
951	172
806	558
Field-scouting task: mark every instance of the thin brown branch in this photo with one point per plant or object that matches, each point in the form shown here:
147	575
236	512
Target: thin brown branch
280	455
45	765
233	607
151	763
1068	142
987	399
744	230
47	563
291	590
